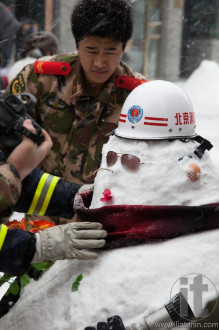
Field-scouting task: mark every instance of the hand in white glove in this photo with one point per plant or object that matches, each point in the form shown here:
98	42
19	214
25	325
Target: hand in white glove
86	187
69	241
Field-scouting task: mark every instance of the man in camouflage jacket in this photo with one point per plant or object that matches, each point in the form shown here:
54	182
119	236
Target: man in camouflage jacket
79	102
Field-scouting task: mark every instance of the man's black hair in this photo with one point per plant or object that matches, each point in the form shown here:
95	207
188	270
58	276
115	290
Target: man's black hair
103	18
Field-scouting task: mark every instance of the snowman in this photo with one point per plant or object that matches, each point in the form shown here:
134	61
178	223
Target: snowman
156	177
156	182
155	156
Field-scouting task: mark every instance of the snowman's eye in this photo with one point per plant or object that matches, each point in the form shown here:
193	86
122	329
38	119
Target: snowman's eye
111	158
129	162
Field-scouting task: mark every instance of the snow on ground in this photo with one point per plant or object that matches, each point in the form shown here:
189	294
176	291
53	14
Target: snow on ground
202	88
127	281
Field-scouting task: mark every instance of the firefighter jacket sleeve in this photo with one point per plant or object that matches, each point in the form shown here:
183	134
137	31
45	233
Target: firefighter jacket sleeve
17	248
45	194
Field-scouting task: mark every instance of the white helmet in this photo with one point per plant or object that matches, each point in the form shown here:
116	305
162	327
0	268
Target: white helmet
157	110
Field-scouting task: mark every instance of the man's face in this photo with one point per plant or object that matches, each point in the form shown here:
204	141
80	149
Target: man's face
99	58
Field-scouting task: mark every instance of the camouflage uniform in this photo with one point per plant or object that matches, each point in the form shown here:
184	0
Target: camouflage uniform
76	121
10	188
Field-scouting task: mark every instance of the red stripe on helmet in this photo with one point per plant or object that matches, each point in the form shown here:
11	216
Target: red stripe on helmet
156	118
155	124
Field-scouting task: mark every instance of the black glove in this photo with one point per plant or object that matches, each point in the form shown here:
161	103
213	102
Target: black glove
113	323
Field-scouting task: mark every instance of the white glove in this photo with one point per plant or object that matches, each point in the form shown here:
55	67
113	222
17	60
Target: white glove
86	187
68	241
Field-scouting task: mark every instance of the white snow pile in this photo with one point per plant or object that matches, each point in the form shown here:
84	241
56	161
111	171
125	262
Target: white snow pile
128	281
135	280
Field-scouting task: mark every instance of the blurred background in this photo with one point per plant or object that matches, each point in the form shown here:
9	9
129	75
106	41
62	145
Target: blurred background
170	37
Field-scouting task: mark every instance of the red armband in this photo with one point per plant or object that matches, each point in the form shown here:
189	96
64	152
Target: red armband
127	82
56	68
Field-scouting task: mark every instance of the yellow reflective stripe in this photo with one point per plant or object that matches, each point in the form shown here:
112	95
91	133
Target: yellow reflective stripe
49	195
43	194
37	193
3	233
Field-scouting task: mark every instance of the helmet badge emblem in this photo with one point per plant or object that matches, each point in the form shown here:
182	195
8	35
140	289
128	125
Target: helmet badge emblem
135	114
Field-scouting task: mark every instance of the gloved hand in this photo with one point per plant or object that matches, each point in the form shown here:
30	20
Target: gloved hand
69	241
113	323
86	187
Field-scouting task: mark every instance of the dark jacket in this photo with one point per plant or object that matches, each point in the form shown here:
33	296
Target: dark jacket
61	202
17	251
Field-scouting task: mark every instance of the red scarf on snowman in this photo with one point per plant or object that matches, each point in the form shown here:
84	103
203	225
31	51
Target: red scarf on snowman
135	224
